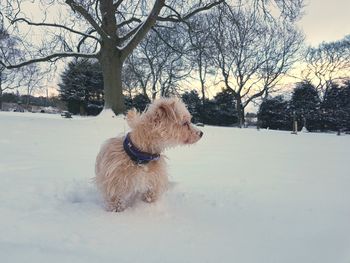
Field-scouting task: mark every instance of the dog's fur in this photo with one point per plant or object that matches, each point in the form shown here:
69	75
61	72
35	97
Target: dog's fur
166	123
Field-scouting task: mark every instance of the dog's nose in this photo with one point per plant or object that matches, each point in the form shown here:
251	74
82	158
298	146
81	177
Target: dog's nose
200	134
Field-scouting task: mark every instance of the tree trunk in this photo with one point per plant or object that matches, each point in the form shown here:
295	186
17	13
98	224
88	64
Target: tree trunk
111	61
154	90
240	112
0	92
202	112
203	92
112	65
202	81
144	91
201	77
82	111
0	97
28	100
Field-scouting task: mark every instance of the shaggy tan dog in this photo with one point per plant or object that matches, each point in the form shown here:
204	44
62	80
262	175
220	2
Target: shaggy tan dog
132	166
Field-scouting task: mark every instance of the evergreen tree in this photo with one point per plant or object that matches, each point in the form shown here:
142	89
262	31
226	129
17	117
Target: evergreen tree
336	107
330	108
82	87
209	113
9	97
305	103
274	114
128	103
345	104
218	111
226	108
194	105
140	102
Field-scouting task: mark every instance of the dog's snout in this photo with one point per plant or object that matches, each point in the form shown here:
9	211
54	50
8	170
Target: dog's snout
200	134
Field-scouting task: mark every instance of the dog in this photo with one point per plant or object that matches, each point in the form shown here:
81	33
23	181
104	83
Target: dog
133	166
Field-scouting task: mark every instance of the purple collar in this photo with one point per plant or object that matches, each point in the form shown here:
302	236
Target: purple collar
135	154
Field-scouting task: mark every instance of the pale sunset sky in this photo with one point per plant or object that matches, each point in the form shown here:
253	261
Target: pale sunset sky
325	20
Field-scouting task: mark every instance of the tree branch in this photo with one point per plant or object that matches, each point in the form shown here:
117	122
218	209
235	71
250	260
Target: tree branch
169	19
172	18
257	95
130	33
50	57
144	28
53	25
204	8
165	41
84	38
117	4
81	10
96	11
126	22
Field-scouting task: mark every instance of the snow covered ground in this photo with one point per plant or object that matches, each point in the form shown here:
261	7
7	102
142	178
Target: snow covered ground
239	195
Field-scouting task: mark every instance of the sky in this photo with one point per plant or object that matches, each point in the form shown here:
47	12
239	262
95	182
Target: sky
325	20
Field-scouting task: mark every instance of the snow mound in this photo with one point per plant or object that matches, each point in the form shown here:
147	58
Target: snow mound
108	114
304	129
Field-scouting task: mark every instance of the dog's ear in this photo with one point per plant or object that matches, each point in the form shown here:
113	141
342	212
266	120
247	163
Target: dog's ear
132	118
166	110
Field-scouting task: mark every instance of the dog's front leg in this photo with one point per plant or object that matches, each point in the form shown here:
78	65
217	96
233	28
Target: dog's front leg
116	206
150	196
157	183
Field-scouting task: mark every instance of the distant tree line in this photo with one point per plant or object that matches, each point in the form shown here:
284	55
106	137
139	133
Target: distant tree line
81	87
41	101
220	110
10	80
330	112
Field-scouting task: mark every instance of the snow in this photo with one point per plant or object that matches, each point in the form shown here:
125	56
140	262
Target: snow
238	195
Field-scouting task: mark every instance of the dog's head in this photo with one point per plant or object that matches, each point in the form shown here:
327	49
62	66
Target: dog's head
166	122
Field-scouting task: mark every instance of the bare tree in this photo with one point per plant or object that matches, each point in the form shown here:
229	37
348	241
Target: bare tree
137	74
28	77
104	29
32	78
150	60
7	48
251	52
282	49
176	67
158	63
176	70
327	63
200	52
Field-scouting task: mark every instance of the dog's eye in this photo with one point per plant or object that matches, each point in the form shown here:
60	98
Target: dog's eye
187	123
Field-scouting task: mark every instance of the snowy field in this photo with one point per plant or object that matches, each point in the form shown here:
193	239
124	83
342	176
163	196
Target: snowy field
238	195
